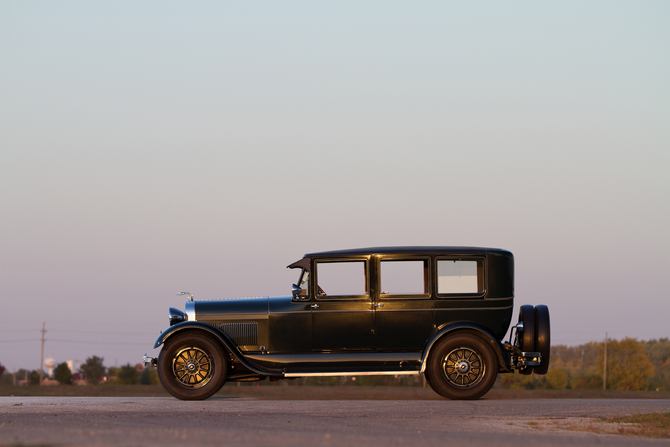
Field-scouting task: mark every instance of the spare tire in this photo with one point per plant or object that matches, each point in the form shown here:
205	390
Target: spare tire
542	337
527	337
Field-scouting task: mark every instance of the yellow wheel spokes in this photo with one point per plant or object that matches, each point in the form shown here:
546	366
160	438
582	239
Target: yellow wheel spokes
192	367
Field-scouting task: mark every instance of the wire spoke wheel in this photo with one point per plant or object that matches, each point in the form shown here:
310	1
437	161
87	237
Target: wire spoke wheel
192	367
463	367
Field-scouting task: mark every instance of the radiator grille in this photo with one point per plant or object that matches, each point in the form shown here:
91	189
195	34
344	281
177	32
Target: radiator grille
243	334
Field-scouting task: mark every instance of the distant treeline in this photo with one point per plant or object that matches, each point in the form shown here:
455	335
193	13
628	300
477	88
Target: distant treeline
92	372
631	366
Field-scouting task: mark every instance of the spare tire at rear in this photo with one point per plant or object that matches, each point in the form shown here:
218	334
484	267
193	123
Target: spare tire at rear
542	337
527	336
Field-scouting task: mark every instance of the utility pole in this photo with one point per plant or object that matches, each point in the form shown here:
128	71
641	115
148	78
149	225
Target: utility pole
605	366
42	359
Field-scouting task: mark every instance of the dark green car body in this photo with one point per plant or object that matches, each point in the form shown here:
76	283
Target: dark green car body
438	311
311	333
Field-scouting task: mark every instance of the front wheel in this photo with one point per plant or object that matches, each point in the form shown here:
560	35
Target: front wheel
462	367
192	366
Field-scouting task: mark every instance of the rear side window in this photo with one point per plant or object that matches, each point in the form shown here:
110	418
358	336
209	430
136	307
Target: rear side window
460	276
404	277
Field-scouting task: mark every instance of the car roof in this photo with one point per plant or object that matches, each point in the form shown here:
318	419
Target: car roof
447	250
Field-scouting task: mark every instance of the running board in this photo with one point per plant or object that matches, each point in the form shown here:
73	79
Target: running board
359	373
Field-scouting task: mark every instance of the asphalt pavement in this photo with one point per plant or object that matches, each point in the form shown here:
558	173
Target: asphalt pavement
165	421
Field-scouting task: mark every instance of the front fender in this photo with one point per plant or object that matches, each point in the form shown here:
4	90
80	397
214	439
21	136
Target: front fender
218	335
477	330
180	327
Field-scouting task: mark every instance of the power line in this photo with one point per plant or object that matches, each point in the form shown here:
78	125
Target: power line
84	332
103	332
75	341
99	342
21	330
16	341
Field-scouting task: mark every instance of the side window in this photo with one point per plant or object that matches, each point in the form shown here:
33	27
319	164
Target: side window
456	276
303	283
402	277
346	278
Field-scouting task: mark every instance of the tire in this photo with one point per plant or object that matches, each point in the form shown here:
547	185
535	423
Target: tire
542	337
476	358
192	366
429	382
527	337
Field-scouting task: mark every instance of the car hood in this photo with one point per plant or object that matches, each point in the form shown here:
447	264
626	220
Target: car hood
235	308
229	309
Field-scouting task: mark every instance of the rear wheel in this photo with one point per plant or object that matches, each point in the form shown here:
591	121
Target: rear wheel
192	366
462	367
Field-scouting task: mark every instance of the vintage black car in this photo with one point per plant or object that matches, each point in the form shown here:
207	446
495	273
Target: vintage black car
438	311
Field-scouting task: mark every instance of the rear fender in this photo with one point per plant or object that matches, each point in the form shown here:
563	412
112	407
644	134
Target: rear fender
468	328
222	338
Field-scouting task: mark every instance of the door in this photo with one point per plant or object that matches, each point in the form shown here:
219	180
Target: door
342	313
404	310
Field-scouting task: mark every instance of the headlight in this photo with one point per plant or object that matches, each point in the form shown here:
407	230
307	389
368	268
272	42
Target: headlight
176	316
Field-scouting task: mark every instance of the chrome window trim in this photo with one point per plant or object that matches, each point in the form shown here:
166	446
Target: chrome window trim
482	294
315	279
400	297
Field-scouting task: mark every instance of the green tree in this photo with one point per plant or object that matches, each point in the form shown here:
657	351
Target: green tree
22	374
2	370
7	379
149	377
661	380
113	374
577	360
556	379
93	370
63	374
658	350
659	354
516	381
586	381
129	375
628	365
34	378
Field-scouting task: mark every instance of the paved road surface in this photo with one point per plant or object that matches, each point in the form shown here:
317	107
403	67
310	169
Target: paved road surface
164	421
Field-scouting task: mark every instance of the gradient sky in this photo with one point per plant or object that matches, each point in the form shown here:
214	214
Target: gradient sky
148	148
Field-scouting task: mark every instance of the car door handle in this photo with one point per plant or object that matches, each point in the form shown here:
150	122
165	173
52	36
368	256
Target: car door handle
315	306
379	305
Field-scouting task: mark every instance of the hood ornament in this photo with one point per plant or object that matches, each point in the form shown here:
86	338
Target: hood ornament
188	294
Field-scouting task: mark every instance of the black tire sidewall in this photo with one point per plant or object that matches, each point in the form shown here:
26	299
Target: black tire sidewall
201	341
542	337
527	316
438	381
527	338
